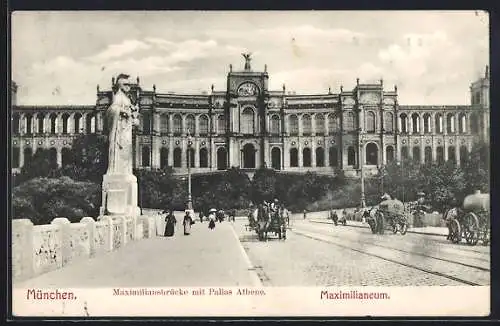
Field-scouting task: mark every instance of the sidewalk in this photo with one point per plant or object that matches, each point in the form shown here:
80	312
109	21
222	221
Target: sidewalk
428	230
204	258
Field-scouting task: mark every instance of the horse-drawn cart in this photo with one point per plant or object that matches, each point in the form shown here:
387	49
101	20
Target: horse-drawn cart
471	221
263	221
391	211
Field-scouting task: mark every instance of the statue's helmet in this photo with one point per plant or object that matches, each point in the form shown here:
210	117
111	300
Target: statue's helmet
385	197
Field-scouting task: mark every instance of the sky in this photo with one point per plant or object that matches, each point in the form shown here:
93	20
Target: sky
59	58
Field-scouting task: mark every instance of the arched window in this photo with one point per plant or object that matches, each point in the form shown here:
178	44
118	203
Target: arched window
53	156
78	119
404	153
221	125
389	154
29	123
464	153
306	157
28	154
249	156
146	123
294	157
474	123
146	159
177	121
351	156
462	123
276	158
247	121
53	123
190	157
66	156
333	124
294	125
348	121
306	125
203	120
221	158
371	154
15	123
203	158
320	157
90	124
416	153
428	155
319	121
164	124
451	154
65	119
163	157
190	124
388	122
40	119
427	123
177	157
438	123
415	123
16	152
275	124
370	122
333	156
450	123
440	154
403	118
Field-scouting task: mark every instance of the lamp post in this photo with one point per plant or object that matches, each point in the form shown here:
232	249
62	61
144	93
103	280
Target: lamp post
189	201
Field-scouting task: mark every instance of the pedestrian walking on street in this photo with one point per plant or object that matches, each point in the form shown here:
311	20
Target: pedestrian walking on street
170	224
201	216
188	221
304	214
211	218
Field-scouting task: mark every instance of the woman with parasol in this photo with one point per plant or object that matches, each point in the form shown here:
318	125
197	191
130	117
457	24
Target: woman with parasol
211	218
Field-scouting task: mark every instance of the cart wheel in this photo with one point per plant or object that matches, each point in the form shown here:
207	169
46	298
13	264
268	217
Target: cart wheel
471	229
403	228
456	231
395	228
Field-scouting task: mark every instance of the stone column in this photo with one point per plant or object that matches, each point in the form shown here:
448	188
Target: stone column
327	154
313	154
155	148
170	125
196	150
21	154
171	151
157	124
421	124
301	129
59	155
410	123
196	126
445	147
184	148
71	124
457	151
299	147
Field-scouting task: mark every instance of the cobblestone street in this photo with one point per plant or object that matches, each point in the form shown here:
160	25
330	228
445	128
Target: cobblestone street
305	261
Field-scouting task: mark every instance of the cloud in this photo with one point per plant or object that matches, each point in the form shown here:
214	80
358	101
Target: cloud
118	50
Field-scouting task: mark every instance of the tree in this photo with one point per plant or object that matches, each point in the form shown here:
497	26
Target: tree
43	199
88	158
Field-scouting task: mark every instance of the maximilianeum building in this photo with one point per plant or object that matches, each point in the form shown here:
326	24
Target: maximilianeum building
249	126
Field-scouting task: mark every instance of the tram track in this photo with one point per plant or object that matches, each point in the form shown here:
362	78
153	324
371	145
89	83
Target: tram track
460	250
436	266
371	243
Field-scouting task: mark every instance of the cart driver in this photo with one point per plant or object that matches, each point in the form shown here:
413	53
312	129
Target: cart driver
274	205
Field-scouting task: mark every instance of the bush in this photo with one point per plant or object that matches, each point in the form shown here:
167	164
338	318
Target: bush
43	199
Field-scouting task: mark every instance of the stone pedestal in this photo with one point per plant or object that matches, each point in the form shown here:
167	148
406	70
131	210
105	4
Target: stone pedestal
119	195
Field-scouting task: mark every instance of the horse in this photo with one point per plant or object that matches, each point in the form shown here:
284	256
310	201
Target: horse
263	221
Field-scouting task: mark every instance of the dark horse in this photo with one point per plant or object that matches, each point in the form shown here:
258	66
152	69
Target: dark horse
263	221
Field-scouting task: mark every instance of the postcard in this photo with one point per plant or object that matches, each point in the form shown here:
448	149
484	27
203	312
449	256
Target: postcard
250	163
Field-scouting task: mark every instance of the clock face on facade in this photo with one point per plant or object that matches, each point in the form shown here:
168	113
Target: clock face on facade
247	89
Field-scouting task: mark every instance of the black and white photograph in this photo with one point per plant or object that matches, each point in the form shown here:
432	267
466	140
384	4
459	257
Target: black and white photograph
250	163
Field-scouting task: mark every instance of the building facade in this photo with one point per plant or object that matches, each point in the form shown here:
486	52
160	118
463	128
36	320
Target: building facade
249	126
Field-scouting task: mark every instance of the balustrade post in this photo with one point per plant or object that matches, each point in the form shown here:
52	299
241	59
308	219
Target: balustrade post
64	225
91	229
